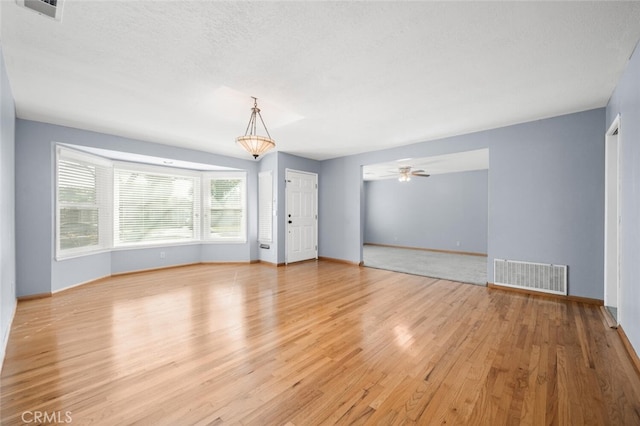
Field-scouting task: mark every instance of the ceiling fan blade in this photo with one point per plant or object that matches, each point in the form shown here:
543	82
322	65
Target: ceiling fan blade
420	173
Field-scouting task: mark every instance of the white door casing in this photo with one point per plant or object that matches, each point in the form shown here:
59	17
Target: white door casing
301	216
612	292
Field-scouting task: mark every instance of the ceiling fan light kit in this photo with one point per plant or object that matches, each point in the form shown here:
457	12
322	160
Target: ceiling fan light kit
405	173
253	143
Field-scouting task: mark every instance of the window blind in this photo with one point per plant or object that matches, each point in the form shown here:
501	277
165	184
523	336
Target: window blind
226	200
265	207
155	205
83	203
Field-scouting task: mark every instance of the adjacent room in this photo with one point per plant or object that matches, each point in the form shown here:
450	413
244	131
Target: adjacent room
428	216
312	213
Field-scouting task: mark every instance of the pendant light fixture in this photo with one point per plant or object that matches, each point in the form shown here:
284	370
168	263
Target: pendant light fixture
253	143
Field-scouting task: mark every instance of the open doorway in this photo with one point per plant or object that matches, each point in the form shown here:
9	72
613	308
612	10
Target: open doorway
428	216
612	222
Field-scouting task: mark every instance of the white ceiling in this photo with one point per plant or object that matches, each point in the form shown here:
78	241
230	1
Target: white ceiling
332	78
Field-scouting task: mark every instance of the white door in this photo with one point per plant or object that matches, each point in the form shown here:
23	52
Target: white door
612	221
302	216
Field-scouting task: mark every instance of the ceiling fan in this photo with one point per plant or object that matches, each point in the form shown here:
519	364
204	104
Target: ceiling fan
405	173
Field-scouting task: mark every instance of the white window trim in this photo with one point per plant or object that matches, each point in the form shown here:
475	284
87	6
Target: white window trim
150	168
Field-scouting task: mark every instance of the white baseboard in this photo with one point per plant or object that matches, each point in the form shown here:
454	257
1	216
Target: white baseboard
5	338
79	284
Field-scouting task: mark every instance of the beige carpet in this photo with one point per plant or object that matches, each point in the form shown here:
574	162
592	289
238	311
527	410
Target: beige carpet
454	267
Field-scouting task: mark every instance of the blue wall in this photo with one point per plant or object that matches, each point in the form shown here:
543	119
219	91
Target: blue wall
37	270
7	211
626	102
546	195
341	215
437	212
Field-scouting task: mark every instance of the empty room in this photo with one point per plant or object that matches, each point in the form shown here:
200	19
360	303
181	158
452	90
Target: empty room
203	206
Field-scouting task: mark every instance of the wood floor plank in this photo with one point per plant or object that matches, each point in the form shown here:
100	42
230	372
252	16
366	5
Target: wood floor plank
312	343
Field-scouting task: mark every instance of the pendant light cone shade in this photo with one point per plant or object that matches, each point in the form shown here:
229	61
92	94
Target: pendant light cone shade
253	143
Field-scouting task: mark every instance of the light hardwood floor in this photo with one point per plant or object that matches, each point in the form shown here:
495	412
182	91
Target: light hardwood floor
312	343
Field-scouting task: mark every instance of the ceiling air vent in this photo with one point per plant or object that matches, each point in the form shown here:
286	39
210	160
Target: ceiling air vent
49	8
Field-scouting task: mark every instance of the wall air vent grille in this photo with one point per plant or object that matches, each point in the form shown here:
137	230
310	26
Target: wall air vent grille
49	8
542	277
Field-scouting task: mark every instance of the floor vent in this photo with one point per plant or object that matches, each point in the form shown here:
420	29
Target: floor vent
542	277
50	8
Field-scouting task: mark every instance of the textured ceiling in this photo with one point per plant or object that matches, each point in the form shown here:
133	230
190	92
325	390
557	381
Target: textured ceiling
332	78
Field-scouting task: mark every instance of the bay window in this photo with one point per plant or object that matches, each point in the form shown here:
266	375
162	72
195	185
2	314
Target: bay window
103	204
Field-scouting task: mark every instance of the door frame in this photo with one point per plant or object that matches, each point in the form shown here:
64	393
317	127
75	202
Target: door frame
612	136
286	211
